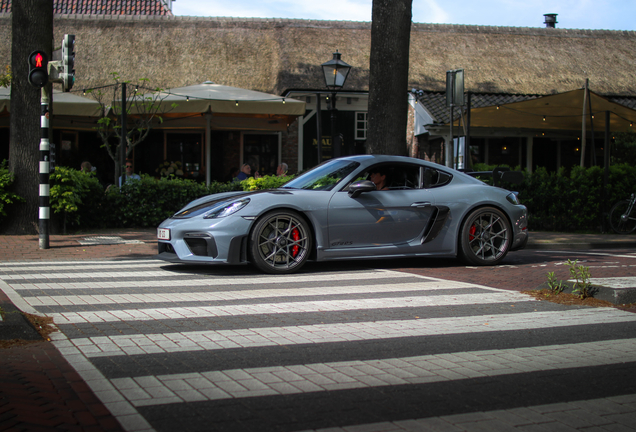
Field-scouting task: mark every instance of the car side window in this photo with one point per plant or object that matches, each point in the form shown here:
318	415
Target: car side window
396	177
435	178
404	177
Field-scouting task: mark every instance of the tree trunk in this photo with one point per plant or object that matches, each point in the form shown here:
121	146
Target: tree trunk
388	77
31	29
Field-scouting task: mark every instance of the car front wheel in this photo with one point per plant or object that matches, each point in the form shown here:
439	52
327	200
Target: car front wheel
280	242
485	237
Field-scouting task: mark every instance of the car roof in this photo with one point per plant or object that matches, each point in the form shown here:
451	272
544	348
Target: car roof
375	158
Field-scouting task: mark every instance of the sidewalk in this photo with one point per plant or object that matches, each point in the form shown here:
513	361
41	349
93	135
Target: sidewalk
41	391
105	244
142	243
564	241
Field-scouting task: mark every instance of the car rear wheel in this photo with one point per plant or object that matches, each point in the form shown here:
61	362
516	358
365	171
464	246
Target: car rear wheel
485	237
280	242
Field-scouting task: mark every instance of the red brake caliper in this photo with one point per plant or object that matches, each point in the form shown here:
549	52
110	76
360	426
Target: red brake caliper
471	232
296	237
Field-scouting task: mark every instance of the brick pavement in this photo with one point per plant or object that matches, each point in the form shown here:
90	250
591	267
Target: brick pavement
142	243
41	391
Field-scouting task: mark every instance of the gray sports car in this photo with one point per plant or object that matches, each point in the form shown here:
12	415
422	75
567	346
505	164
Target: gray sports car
350	208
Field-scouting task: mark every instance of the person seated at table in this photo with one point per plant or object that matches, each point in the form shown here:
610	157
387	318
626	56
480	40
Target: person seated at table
130	175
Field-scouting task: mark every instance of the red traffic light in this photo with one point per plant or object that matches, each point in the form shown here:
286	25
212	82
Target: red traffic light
38	73
38	60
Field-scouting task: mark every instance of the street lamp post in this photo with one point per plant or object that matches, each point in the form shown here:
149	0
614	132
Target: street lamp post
335	71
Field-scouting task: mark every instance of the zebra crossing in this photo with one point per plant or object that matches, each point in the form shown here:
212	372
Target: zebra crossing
168	347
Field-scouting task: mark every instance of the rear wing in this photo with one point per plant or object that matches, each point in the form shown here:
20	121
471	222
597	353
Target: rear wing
498	175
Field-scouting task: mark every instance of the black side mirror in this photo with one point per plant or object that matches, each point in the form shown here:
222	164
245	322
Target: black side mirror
356	188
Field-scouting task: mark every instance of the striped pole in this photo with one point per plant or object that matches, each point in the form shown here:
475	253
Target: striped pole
45	210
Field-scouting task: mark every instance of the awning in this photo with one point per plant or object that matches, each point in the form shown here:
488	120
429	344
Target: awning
562	111
64	104
213	106
227	100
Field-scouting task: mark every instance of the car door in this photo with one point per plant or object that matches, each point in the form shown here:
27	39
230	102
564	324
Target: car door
397	216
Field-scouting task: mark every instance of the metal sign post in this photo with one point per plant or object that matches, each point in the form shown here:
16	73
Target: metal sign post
123	142
45	169
41	72
454	97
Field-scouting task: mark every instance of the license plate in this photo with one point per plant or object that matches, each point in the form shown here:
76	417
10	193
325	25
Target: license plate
163	234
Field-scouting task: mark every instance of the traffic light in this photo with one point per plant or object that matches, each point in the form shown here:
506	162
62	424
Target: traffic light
68	62
38	74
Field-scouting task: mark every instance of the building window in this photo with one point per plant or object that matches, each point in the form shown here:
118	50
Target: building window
361	125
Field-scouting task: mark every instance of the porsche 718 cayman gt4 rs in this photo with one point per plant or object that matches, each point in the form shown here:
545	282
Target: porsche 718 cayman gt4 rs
335	212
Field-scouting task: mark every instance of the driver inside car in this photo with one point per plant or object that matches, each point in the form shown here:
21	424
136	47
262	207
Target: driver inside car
379	177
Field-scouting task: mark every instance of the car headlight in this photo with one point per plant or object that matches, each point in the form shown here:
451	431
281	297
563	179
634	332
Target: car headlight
226	209
513	198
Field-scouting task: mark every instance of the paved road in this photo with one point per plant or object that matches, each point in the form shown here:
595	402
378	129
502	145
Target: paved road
186	348
527	269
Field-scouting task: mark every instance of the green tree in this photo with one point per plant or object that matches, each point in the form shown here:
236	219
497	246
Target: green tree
388	76
7	197
142	107
5	79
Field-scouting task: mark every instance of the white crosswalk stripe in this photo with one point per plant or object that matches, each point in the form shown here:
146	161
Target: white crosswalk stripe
148	334
237	383
283	308
327	333
236	295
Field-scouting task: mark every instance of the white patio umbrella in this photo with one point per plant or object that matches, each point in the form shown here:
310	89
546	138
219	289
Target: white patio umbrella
227	100
65	104
227	107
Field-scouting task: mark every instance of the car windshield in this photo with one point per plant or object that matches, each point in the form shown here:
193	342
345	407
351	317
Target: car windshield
323	177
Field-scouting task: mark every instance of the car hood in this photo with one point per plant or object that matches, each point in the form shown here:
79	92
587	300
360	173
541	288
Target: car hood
216	199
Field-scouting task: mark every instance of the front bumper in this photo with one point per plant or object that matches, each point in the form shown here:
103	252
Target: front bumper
520	228
520	241
207	241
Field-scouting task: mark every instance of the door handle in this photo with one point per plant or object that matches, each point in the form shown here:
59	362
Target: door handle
421	204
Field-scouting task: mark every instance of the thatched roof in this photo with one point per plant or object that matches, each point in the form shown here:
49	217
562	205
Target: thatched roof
272	55
98	7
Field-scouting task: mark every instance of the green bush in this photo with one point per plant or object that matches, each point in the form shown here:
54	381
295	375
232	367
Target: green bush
570	199
566	200
77	196
266	182
6	195
148	202
573	200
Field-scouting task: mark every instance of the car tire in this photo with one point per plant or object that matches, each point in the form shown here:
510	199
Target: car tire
280	242
485	237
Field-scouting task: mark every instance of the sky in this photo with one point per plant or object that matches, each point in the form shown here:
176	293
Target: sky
575	14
